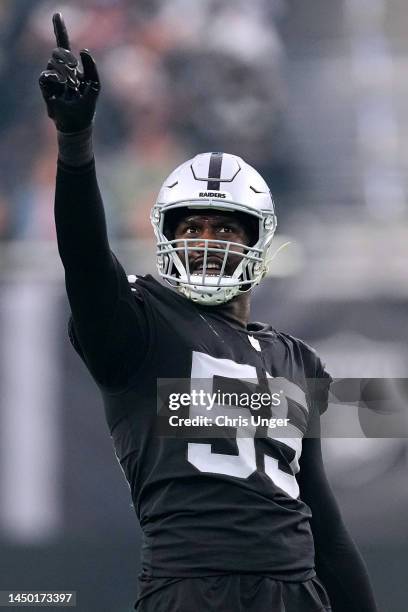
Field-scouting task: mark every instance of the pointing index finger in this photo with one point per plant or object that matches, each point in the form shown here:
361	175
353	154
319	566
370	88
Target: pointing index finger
60	31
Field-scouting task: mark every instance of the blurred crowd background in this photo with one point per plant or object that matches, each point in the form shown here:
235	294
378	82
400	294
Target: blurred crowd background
315	95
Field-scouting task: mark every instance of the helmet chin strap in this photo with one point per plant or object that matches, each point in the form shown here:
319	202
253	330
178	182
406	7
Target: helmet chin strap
213	298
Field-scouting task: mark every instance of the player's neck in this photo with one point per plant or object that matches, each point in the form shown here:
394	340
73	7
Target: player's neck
237	309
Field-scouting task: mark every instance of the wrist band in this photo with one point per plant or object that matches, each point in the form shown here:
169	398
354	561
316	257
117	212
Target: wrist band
75	149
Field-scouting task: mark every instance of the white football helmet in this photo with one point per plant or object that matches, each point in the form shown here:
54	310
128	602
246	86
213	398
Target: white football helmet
219	182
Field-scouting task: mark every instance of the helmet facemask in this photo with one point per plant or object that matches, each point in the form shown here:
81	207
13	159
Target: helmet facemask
209	286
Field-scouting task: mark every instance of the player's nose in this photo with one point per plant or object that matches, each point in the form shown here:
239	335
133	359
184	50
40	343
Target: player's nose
207	234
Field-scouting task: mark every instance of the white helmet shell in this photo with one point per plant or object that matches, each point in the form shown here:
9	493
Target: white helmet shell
218	181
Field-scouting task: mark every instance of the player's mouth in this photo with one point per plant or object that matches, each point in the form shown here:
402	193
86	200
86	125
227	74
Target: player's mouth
212	267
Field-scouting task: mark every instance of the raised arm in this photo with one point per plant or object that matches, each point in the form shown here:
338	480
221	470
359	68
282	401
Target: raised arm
107	323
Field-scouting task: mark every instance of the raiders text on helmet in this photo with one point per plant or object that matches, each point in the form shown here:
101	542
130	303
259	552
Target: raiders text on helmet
219	182
212	194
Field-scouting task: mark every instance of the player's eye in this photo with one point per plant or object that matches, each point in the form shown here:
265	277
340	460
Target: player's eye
191	229
225	229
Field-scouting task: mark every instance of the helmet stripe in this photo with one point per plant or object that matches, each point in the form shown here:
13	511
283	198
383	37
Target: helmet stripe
214	172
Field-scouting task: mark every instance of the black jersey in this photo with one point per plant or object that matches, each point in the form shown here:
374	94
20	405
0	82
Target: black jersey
206	507
229	505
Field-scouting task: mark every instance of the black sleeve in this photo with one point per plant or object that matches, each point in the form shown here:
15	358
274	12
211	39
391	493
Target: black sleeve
318	382
339	564
321	384
109	327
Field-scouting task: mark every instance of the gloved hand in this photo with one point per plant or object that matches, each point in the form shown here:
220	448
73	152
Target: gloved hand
70	94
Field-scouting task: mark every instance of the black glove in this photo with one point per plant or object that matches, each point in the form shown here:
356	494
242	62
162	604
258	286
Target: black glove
70	94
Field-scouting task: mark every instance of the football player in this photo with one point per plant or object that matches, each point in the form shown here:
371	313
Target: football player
239	522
